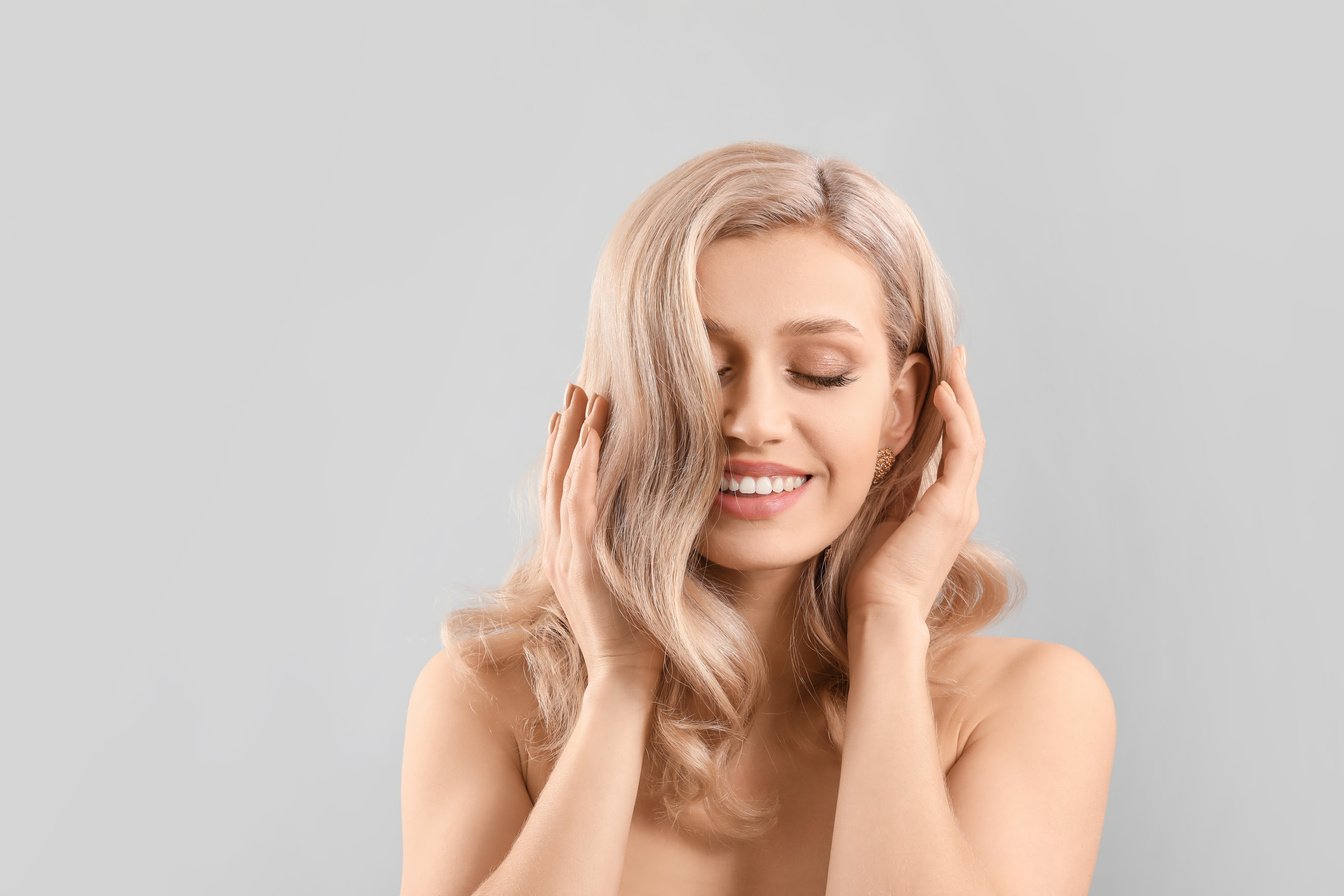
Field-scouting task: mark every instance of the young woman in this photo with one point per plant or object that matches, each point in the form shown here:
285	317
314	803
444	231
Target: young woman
741	657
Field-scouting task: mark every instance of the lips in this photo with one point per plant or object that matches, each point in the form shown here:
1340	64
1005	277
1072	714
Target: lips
760	507
742	468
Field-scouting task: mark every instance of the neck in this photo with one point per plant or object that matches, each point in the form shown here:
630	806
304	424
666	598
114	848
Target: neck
767	600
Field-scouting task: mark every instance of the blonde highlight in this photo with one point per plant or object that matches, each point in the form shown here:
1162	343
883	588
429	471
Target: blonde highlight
646	350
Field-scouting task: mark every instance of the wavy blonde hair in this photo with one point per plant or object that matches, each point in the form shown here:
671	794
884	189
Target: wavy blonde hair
647	350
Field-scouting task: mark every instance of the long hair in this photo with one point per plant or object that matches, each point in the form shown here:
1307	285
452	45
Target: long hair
663	452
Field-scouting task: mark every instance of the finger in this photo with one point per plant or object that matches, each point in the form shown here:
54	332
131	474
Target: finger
566	434
959	450
965	396
567	453
966	399
582	502
599	411
550	510
550	450
546	465
594	425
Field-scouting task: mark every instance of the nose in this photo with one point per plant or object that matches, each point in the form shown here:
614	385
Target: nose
754	411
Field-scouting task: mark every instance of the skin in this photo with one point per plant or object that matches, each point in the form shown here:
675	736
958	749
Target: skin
772	412
1000	795
749	287
823	403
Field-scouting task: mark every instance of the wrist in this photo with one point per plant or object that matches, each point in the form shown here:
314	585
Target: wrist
624	684
895	623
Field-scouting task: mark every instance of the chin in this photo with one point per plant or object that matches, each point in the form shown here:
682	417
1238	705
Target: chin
747	554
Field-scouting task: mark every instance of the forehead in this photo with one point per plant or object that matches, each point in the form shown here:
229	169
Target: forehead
753	284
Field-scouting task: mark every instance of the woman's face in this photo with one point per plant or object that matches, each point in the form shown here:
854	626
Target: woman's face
817	399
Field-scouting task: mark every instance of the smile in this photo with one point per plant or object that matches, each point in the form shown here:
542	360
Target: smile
758	506
759	485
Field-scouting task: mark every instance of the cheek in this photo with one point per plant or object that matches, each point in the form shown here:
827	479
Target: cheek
850	441
857	474
849	468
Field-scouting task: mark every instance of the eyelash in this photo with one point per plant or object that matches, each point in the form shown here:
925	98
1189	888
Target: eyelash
825	382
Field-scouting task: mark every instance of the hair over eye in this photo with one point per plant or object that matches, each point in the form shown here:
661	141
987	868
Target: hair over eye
656	541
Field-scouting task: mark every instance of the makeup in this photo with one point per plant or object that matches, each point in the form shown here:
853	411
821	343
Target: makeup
759	507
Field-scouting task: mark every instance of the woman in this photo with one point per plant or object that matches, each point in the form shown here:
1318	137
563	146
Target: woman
741	658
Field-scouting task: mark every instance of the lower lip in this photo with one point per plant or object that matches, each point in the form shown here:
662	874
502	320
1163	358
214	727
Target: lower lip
758	507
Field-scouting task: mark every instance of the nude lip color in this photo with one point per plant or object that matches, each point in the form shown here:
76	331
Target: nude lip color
758	507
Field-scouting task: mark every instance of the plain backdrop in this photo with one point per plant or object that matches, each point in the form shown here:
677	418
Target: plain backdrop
290	290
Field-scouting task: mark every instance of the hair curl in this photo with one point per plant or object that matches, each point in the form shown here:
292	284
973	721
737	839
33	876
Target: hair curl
647	350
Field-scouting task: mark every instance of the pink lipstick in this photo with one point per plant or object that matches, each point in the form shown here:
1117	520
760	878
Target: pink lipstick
757	476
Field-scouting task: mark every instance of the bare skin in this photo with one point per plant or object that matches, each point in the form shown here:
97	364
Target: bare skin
793	856
1003	789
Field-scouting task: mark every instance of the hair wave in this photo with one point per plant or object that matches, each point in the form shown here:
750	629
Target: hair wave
646	350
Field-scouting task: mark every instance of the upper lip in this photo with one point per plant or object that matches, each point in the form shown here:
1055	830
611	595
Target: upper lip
756	468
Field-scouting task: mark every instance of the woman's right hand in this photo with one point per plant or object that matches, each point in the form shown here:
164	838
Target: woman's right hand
569	517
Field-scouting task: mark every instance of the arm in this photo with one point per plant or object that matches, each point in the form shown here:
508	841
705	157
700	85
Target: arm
574	841
1030	786
1021	811
894	828
469	826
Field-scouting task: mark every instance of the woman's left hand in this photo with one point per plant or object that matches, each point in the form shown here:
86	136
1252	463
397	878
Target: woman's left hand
904	564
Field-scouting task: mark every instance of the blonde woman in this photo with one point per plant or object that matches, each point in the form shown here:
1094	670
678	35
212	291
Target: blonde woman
741	657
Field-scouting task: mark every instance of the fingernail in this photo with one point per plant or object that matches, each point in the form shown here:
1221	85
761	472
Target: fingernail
592	402
569	393
555	418
583	435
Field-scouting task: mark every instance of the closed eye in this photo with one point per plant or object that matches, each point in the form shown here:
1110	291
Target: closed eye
826	382
829	382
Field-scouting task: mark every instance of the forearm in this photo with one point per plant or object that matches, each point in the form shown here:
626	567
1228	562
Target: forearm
575	837
895	831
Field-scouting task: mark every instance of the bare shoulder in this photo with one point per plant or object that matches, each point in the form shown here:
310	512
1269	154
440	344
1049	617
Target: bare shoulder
978	662
1003	675
497	693
1029	790
1016	677
463	797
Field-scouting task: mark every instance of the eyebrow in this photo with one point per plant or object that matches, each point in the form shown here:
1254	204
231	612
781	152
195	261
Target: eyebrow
809	326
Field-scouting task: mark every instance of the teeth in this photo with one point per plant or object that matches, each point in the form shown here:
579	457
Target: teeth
760	485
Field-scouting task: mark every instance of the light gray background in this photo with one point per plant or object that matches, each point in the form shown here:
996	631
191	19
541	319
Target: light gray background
290	290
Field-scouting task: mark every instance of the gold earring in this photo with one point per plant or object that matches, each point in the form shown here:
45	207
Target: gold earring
884	461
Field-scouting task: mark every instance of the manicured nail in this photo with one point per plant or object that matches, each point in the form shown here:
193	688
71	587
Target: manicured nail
555	418
592	403
583	434
569	393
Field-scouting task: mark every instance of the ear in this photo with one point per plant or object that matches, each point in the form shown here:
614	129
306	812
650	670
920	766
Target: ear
909	389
